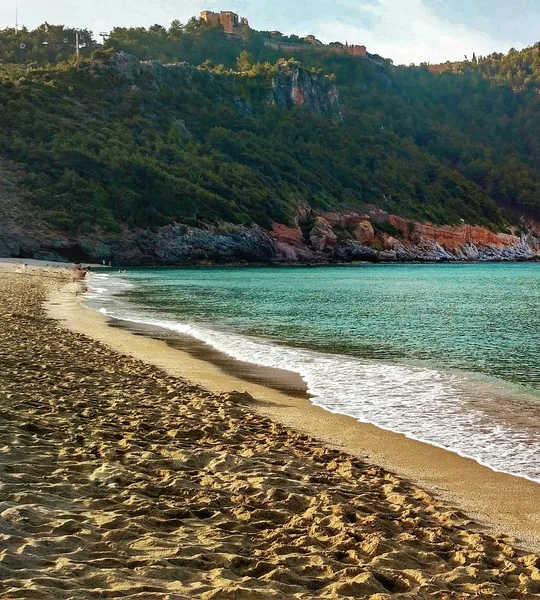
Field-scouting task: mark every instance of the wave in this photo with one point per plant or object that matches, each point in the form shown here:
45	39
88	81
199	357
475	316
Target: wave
442	409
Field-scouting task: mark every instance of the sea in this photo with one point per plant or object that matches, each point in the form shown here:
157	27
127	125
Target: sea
448	354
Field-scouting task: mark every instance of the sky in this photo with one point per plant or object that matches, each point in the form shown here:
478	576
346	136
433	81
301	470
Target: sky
407	31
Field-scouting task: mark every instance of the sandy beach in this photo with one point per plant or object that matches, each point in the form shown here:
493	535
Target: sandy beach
122	478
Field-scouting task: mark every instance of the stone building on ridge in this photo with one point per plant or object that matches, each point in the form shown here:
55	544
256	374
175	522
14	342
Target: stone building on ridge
355	50
232	24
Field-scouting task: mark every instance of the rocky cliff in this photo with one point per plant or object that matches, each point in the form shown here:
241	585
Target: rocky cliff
294	86
378	236
317	238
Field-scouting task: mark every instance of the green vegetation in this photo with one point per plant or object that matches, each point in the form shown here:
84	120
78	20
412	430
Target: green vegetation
44	45
107	144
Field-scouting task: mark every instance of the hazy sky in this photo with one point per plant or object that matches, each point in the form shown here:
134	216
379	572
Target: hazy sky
404	30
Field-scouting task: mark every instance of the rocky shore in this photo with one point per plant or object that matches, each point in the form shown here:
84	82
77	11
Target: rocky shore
119	481
316	238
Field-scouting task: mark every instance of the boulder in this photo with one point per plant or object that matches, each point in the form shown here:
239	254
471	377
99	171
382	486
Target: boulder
321	236
364	232
355	251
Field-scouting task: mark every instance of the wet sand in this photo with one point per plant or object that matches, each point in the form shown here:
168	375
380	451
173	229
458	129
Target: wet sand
120	480
278	379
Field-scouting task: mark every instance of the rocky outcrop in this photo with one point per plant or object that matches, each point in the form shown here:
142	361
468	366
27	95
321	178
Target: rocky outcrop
130	68
378	236
177	245
294	86
353	251
452	238
174	245
288	235
322	238
463	242
364	232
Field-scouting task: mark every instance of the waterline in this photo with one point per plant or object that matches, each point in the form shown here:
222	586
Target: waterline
425	404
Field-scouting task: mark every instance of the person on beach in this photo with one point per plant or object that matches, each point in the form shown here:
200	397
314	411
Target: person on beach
78	273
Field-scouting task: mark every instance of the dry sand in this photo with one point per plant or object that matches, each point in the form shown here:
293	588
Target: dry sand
121	481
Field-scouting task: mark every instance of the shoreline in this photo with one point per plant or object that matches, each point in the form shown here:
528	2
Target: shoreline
41	263
495	500
119	479
281	380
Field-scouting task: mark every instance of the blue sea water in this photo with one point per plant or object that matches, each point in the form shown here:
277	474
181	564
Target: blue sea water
447	354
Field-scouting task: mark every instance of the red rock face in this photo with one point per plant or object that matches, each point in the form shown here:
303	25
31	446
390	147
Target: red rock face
451	238
289	235
353	236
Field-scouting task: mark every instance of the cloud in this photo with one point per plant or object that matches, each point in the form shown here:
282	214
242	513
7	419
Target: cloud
409	31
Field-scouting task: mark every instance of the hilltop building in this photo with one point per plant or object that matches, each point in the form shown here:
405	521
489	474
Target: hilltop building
312	43
232	24
313	40
353	50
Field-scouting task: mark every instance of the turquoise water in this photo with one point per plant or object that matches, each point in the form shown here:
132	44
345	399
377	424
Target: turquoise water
443	353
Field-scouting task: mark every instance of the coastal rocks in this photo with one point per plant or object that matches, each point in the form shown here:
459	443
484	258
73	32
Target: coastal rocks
318	243
355	251
98	250
21	245
426	250
452	238
512	253
379	236
10	245
291	245
288	235
364	232
322	236
468	252
294	86
172	245
327	237
359	227
188	245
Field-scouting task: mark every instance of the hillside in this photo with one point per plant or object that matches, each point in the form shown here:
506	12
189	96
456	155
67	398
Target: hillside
137	155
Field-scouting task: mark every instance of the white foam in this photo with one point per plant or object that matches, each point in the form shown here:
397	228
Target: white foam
104	287
422	403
